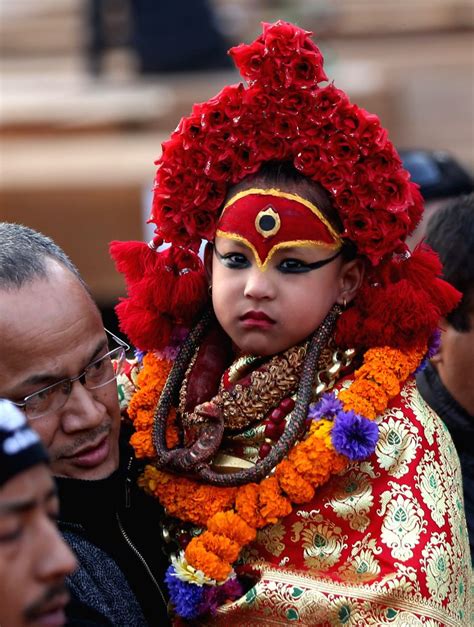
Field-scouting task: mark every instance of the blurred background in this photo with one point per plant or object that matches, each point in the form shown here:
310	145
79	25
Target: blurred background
90	88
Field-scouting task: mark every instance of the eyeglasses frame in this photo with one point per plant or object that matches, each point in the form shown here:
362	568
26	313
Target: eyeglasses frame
81	377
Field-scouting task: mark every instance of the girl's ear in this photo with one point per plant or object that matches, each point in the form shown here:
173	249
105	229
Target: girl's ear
350	280
208	253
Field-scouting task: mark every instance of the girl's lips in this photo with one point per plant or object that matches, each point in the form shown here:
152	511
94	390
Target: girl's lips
256	319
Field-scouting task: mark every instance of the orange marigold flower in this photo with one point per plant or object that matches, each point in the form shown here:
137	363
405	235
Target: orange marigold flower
272	504
186	499
354	401
225	548
246	504
233	526
142	444
314	461
210	564
143	420
298	489
370	392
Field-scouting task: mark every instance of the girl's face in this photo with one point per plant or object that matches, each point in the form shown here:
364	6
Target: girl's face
266	311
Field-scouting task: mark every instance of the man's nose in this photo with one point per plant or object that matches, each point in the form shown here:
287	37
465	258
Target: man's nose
55	560
83	409
259	284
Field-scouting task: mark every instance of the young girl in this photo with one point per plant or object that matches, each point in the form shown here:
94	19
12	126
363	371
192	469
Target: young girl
302	476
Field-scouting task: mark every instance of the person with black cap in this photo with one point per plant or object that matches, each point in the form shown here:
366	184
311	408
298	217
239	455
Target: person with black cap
34	559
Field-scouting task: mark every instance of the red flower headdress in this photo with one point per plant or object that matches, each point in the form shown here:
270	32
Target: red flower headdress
283	113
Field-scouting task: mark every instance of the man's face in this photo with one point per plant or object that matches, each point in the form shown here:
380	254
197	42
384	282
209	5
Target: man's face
51	330
34	559
455	364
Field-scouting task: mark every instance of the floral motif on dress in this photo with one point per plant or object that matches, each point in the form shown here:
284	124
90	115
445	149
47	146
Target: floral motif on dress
398	442
403	521
353	499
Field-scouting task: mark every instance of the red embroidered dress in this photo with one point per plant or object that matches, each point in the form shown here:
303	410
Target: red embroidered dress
382	543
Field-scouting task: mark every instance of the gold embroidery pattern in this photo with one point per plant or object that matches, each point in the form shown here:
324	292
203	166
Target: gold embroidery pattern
353	499
271	538
282	598
437	566
403	520
362	564
322	542
422	412
398	441
430	484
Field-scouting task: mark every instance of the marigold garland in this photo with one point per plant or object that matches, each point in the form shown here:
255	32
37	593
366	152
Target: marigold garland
233	515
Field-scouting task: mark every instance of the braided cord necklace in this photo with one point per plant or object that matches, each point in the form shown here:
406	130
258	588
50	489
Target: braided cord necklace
171	460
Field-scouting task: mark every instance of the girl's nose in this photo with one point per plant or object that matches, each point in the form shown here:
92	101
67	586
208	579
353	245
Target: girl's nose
259	285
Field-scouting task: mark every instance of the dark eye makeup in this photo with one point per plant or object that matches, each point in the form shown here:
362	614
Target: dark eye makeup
290	265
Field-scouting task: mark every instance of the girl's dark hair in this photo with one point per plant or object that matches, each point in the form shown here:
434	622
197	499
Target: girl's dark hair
283	175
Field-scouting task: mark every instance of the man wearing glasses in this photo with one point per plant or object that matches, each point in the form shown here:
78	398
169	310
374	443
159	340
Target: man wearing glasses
59	366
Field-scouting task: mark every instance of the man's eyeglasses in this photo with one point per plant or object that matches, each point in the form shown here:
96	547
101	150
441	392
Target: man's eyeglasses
99	373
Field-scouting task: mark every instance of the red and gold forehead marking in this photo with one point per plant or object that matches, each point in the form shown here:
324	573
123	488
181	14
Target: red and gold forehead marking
267	220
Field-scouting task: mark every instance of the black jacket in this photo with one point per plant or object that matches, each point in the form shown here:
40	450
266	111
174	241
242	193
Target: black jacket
114	528
460	425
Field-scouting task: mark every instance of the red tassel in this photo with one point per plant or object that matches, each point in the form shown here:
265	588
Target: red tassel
165	289
399	305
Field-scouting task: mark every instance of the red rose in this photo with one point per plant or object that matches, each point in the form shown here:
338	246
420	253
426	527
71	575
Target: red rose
310	160
384	161
347	201
305	70
248	59
218	145
220	169
328	99
232	101
295	101
372	136
335	178
395	192
343	149
200	223
350	118
269	148
256	100
280	125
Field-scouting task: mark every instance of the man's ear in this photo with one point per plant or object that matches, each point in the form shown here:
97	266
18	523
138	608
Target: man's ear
438	358
208	254
350	280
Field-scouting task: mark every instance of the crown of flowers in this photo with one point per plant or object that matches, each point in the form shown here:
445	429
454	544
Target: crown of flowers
284	114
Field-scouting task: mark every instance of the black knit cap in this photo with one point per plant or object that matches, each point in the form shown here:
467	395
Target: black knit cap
20	446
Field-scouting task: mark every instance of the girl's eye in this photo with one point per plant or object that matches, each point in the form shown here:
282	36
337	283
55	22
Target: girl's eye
233	260
289	266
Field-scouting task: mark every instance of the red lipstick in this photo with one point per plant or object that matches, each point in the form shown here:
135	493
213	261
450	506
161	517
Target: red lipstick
256	319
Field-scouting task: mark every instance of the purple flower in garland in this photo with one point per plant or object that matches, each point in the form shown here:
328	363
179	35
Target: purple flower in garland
215	596
185	597
433	348
327	407
354	436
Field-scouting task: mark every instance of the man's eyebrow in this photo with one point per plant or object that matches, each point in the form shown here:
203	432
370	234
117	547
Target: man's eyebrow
21	506
50	378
